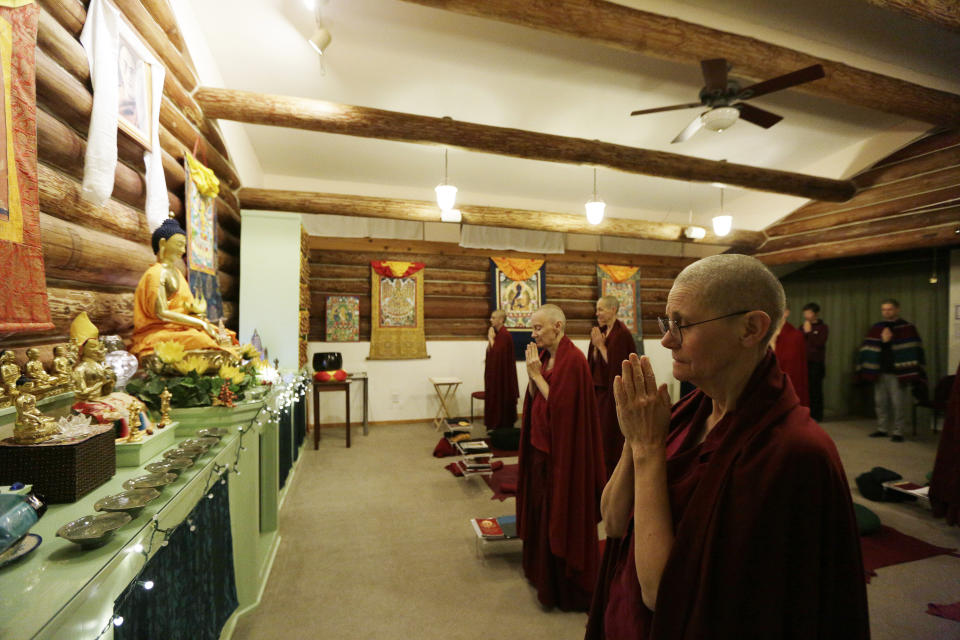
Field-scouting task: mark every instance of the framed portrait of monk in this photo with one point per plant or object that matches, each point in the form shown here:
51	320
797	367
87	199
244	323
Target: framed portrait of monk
134	89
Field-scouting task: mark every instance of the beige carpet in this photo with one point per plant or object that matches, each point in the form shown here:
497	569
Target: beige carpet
376	544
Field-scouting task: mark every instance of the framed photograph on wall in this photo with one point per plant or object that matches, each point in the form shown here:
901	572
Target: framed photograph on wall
134	89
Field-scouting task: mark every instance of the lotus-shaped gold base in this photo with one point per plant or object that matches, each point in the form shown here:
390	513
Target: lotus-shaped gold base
202	361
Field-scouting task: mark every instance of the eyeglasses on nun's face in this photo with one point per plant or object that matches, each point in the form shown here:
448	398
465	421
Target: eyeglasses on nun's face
674	328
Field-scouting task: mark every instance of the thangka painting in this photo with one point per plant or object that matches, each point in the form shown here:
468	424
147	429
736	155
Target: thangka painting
396	327
623	283
23	290
200	195
343	319
518	291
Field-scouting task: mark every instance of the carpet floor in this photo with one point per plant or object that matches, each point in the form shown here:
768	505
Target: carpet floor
376	544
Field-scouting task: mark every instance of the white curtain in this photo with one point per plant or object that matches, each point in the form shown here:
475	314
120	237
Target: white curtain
501	239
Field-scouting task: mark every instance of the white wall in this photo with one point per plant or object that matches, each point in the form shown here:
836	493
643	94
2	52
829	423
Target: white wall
407	379
953	308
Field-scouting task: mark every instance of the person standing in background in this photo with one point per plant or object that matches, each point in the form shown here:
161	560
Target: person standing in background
891	357
815	333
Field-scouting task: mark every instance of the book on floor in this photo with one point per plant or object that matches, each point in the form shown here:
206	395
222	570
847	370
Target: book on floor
473	446
508	524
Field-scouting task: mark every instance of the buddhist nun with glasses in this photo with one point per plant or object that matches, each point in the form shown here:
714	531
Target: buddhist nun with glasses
728	514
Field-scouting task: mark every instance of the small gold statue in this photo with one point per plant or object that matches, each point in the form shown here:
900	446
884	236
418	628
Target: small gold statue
62	366
91	378
134	423
32	426
164	408
9	374
41	383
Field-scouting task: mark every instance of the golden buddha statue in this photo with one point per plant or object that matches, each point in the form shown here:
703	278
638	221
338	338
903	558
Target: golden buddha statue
62	365
9	374
41	383
91	378
32	426
165	309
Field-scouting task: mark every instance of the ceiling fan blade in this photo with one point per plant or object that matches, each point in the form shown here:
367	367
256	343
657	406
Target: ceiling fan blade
756	115
691	129
689	105
714	74
787	80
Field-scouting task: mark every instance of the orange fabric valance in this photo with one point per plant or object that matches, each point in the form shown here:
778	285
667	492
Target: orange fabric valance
395	269
518	268
618	272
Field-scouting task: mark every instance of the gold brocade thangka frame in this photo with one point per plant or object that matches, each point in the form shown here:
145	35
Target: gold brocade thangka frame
396	327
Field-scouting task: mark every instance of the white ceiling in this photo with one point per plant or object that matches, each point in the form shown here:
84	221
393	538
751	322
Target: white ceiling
398	56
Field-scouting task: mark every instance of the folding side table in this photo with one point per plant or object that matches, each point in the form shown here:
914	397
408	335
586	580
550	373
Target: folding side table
446	389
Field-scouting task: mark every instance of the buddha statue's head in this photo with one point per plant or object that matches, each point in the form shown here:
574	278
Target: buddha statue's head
93	349
26	403
33	354
59	351
6	357
169	240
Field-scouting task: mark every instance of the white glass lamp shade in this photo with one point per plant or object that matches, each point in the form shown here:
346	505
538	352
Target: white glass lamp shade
595	211
446	196
450	215
320	39
722	225
720	118
694	232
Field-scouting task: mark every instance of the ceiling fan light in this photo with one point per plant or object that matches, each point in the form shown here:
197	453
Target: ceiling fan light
446	196
720	118
722	225
694	232
595	210
320	39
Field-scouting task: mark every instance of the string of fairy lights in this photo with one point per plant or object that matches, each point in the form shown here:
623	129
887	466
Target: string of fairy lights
281	398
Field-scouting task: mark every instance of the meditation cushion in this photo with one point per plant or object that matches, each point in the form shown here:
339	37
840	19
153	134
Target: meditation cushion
505	439
330	376
867	521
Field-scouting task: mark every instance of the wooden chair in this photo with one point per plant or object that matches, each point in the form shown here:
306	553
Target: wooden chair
941	395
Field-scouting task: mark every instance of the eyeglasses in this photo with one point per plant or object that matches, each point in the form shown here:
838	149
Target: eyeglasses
674	327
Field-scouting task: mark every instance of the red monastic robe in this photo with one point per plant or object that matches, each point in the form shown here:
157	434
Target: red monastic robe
766	543
500	383
791	349
945	483
560	480
620	345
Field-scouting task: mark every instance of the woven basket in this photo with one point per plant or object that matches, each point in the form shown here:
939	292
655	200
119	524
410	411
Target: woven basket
61	473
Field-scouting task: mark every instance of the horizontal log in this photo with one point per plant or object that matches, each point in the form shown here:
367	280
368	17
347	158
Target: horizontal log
940	236
357	258
110	312
620	27
940	12
60	195
228	263
229	286
933	161
79	254
866	230
329	117
416	249
894	206
227	241
180	127
60	146
938	139
71	14
424	211
153	35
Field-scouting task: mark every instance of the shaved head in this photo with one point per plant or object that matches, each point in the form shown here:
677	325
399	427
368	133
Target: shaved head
727	283
499	314
552	314
609	302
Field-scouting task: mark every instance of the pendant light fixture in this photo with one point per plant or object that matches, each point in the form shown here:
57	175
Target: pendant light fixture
722	223
446	193
693	232
596	206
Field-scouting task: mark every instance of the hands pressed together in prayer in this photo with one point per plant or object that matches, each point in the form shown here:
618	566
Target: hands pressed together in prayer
886	335
596	337
807	326
491	334
643	410
533	361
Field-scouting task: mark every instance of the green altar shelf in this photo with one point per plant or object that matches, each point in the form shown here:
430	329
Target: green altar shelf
61	592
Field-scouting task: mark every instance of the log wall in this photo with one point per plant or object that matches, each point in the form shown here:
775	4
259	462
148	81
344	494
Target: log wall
908	200
458	289
94	255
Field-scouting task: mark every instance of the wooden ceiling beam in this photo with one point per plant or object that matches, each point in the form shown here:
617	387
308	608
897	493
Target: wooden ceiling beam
423	211
330	117
667	38
940	12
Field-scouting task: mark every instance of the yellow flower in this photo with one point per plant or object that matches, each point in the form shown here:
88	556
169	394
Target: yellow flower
193	363
261	364
169	352
231	374
249	352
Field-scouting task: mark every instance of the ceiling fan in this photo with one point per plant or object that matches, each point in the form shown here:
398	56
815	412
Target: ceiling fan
724	97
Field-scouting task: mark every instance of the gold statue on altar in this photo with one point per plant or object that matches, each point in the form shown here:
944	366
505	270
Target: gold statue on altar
32	427
91	377
9	374
166	311
41	384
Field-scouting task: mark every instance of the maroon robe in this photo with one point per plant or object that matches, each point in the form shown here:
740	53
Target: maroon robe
559	484
945	483
500	383
620	345
791	349
766	543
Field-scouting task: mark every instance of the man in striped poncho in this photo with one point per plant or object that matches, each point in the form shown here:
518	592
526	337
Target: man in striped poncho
891	357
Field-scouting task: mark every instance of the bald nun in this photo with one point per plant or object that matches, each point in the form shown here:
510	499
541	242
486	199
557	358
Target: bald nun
561	470
499	376
728	514
610	344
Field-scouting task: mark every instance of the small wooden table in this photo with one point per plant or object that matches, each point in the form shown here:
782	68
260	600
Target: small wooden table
328	386
446	388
